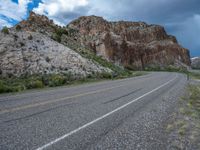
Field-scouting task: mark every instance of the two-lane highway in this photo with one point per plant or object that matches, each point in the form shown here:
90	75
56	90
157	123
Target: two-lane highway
120	114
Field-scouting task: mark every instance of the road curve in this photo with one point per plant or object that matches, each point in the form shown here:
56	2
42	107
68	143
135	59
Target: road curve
121	114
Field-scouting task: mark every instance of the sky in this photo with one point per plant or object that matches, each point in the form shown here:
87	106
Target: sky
180	18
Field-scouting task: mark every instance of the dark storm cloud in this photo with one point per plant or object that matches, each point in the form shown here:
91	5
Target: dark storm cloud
150	10
162	10
180	17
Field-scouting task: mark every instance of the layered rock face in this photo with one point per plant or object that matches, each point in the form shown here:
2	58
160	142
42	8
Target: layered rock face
27	53
132	44
195	63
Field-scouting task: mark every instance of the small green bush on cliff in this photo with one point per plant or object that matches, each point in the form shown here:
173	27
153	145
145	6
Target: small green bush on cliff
56	37
5	30
18	27
58	34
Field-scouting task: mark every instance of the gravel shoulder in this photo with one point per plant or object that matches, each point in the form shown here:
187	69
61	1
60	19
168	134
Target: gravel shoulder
184	126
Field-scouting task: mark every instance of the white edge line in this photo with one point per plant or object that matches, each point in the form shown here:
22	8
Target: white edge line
102	117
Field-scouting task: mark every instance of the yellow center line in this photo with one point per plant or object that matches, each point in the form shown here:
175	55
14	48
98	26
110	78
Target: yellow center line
56	100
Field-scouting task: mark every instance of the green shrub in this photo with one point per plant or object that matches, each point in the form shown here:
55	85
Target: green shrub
5	30
171	68
2	87
58	34
72	31
31	84
18	27
131	67
91	76
18	88
5	87
106	75
153	68
61	31
56	37
138	73
56	80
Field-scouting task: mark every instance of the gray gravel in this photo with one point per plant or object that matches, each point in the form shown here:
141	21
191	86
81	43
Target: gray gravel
138	126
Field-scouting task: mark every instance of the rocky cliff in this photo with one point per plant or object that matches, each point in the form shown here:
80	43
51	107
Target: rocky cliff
132	44
195	63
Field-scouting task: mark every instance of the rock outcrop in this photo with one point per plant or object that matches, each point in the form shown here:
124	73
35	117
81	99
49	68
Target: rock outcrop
195	62
38	23
26	52
132	44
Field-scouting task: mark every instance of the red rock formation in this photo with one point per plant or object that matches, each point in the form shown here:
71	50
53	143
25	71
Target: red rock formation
133	44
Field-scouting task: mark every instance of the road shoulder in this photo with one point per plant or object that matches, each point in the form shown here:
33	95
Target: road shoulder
184	126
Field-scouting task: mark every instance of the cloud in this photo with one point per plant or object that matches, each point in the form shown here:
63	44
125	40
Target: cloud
155	11
62	11
4	23
188	33
11	12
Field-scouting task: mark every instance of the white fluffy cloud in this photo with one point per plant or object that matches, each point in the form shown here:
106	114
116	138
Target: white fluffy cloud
10	10
4	23
14	10
61	11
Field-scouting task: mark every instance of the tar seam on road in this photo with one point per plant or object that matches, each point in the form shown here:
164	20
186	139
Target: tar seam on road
102	117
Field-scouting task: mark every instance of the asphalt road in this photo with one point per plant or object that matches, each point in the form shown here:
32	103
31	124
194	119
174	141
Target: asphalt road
121	114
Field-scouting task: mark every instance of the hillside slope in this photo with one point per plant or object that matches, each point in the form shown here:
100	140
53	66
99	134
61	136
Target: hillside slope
25	52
